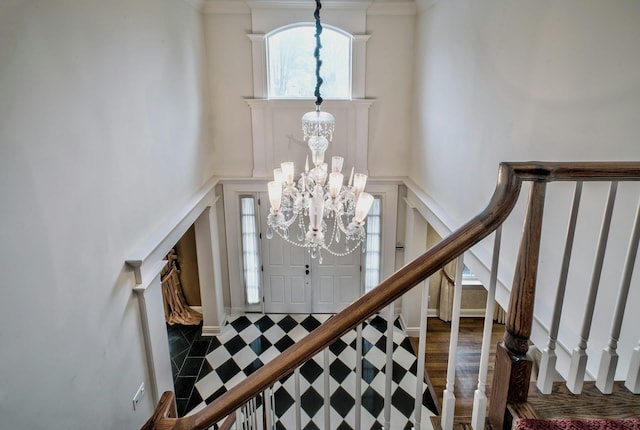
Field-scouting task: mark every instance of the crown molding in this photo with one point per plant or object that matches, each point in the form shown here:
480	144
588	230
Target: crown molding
304	4
373	7
393	8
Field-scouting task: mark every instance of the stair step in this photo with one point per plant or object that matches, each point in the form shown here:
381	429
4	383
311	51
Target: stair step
562	403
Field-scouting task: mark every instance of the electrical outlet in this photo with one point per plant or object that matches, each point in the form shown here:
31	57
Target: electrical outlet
139	395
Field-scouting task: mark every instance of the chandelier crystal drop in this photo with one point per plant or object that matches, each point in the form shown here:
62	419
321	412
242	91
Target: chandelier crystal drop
328	215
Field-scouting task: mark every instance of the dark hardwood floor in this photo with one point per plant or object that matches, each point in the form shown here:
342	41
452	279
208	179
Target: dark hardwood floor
467	359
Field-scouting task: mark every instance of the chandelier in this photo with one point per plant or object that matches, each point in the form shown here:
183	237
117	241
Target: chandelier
329	215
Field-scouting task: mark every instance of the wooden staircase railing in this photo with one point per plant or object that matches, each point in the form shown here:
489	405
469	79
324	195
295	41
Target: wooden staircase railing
511	376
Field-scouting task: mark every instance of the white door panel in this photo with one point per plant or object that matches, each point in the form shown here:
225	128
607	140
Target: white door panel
335	282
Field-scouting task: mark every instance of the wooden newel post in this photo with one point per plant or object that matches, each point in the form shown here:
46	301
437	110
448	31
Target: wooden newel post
512	367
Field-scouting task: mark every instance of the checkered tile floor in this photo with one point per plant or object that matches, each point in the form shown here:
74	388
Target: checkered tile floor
249	341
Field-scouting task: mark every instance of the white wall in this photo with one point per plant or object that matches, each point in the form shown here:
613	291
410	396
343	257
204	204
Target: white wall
101	139
546	80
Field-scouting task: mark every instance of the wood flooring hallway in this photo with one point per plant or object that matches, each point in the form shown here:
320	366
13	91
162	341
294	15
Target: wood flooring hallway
467	358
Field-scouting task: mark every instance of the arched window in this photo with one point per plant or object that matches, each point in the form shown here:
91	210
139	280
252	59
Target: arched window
291	65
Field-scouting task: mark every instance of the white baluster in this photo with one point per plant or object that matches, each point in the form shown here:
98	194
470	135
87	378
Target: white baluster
479	414
358	405
609	361
250	415
575	379
549	358
327	389
273	408
422	347
388	371
239	422
296	381
266	404
448	398
254	413
633	377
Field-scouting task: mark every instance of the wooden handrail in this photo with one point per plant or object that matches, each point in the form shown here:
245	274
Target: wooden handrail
510	177
166	409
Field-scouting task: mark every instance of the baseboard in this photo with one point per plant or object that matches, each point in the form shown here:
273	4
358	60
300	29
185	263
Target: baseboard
210	330
472	313
413	331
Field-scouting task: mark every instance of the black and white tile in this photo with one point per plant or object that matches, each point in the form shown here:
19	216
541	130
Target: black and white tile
249	341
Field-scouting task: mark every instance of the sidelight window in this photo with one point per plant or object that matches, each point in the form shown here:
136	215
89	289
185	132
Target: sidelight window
250	255
373	254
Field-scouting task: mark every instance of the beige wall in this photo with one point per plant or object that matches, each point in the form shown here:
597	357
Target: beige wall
228	55
390	53
101	113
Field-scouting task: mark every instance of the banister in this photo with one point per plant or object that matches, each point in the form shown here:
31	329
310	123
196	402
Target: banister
510	177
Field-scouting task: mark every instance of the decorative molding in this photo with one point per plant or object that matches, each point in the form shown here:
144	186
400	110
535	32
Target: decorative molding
150	274
393	8
353	115
373	8
302	4
146	257
211	330
259	61
215	330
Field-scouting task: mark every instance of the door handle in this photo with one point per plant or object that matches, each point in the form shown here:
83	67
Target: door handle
306	272
306	266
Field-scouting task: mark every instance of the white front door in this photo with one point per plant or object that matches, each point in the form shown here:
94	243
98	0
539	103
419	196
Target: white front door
295	283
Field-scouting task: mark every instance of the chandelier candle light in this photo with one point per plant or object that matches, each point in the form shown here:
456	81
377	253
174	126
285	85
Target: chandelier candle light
313	201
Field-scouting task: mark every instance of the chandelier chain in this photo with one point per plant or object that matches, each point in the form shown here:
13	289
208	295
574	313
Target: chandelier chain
316	54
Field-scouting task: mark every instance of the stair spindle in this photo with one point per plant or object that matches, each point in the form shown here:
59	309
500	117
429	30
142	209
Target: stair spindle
358	393
448	398
388	370
609	360
422	348
296	380
549	357
575	380
327	389
479	412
